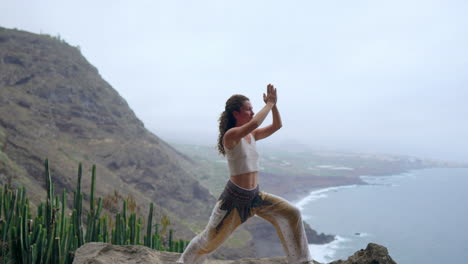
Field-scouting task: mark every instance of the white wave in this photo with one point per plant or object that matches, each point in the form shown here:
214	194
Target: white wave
362	234
326	253
324	166
372	180
319	194
333	167
343	168
390	180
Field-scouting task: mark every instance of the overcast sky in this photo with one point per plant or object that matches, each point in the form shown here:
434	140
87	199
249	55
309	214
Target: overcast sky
373	76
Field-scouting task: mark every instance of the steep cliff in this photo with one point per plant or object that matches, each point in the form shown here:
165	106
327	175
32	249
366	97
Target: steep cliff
54	104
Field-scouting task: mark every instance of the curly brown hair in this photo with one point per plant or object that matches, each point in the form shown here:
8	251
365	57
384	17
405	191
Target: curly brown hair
227	120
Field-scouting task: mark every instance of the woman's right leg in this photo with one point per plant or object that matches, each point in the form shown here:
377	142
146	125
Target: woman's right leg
212	237
287	220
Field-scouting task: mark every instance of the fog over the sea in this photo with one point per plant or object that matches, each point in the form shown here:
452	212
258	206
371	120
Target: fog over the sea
373	76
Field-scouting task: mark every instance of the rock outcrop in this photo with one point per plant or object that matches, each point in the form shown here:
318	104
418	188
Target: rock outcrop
101	253
373	254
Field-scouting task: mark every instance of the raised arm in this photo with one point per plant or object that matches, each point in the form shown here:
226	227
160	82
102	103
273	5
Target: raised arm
261	133
233	135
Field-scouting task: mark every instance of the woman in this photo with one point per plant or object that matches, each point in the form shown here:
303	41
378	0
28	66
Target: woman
241	198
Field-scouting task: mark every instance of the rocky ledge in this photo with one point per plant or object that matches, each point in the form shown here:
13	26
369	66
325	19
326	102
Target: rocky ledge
97	253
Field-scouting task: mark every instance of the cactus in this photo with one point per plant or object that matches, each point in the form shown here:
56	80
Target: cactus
53	237
148	239
138	231
77	209
91	221
171	246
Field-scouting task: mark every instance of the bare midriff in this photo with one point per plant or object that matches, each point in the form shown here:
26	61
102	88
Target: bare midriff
247	180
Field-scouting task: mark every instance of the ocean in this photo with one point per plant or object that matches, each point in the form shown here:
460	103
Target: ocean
420	217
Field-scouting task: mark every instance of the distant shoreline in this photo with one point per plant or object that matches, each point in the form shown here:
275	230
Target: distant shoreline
369	218
323	249
304	185
308	184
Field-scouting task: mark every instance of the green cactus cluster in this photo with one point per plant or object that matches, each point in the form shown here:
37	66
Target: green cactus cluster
53	237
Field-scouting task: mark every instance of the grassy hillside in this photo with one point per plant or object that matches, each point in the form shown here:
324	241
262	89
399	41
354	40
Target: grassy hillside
54	104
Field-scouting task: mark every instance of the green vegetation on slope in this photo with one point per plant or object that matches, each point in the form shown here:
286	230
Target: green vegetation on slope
54	103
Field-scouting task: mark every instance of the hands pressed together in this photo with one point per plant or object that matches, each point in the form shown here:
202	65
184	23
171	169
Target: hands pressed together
270	96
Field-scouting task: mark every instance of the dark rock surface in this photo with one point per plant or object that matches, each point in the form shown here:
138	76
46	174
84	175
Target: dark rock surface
373	254
98	253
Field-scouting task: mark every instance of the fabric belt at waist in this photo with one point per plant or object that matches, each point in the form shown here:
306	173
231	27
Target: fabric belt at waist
243	200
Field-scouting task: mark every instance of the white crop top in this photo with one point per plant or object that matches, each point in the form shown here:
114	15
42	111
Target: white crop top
243	157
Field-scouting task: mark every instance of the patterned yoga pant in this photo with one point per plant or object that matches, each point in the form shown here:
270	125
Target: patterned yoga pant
234	207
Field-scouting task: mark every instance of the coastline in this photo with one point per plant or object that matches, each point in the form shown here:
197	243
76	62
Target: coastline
299	187
325	252
362	214
306	188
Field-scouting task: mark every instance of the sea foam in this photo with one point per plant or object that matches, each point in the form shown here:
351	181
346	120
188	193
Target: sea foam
319	194
326	253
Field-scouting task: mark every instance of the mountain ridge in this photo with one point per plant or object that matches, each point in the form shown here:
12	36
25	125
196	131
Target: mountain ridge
55	105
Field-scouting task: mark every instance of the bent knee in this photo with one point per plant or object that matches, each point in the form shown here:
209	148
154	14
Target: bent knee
209	248
292	212
292	209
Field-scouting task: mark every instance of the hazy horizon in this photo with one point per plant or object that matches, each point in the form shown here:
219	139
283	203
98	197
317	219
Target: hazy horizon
295	146
364	76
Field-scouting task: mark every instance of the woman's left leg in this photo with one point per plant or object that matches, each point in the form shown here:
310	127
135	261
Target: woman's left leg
218	229
287	220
